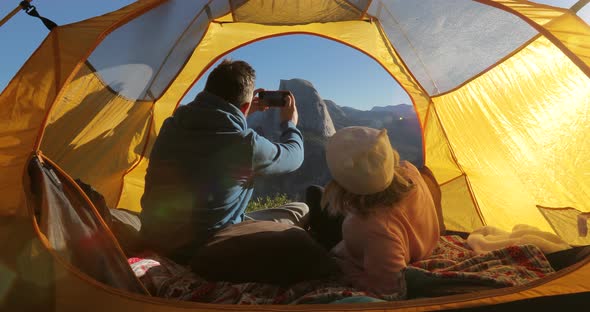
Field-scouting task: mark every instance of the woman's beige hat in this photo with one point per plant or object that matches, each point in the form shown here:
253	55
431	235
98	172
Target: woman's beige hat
361	159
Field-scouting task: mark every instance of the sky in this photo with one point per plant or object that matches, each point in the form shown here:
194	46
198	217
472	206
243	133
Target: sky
338	72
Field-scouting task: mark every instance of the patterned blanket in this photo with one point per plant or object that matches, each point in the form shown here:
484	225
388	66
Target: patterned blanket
452	268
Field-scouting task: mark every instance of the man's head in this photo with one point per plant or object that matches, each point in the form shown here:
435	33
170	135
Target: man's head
233	81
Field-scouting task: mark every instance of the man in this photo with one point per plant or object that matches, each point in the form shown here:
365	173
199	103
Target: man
201	169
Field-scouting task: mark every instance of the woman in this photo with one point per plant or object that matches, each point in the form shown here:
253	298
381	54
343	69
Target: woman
390	218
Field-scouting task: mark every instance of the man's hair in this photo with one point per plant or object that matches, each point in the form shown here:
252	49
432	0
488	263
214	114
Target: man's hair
233	81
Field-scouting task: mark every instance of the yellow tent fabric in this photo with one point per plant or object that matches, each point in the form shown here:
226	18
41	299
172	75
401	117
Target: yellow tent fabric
503	133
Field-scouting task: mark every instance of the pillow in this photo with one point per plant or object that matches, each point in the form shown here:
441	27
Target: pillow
265	252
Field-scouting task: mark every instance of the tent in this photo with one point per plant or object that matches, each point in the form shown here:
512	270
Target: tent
501	89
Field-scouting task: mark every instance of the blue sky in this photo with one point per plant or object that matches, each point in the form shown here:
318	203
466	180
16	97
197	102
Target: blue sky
339	73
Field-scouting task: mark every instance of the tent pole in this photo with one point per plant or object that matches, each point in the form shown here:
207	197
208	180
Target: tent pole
579	5
11	14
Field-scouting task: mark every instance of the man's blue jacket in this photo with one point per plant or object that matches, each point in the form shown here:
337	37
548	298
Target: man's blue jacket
200	173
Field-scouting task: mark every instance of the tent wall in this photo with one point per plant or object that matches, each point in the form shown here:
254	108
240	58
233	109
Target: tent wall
528	119
96	134
28	98
26	268
23	105
511	146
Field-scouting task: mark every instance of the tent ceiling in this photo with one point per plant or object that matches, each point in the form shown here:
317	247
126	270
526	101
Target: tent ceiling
443	43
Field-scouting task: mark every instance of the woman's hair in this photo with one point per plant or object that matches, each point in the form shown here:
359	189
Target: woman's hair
339	201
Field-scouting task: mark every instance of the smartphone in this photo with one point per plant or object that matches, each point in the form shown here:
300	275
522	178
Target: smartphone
274	98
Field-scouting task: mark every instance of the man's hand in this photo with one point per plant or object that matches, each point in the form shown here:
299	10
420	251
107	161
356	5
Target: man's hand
256	105
289	111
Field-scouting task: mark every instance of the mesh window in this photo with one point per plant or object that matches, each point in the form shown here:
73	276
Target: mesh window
584	13
445	43
564	222
140	59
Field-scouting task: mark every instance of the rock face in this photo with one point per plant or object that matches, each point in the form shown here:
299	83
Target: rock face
339	116
318	120
313	113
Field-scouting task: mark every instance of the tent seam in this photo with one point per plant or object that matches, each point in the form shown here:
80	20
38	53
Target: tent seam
405	66
578	6
355	8
453	179
393	52
232	10
58	92
178	40
149	129
426	119
57	63
402	31
366	9
491	67
467	181
183	66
